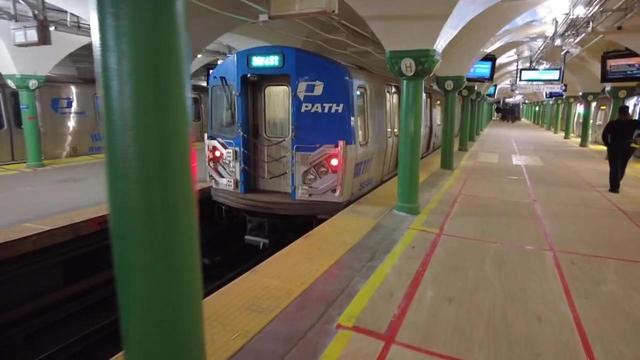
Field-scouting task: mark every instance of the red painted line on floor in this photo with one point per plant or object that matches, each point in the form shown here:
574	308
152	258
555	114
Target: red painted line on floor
379	336
582	333
393	328
527	247
604	257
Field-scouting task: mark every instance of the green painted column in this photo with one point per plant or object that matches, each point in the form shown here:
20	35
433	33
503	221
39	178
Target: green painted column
587	98
568	116
549	115
473	116
154	232
557	117
450	85
478	111
465	124
26	86
618	95
411	66
540	115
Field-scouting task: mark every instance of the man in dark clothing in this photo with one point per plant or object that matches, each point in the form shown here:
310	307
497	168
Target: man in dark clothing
617	136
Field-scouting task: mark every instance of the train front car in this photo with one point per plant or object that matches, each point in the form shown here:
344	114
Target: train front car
280	132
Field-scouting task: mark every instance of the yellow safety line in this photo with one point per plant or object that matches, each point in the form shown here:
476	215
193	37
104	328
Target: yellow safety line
351	313
337	346
360	301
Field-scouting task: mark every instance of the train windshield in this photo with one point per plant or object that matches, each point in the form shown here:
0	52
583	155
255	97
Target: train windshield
223	108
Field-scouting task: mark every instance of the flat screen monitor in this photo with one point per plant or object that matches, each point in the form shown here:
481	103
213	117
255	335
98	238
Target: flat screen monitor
483	70
491	92
540	75
620	67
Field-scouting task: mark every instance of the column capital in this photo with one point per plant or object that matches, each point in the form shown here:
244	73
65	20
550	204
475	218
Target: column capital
24	81
412	64
589	96
468	91
620	92
451	83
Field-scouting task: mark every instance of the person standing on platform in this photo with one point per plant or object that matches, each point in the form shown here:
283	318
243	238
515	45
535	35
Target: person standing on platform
617	136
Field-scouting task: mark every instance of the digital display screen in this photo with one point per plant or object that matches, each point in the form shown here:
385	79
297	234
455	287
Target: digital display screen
621	69
492	91
266	61
483	70
540	75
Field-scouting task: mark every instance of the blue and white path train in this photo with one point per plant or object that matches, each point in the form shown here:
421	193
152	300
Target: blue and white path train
295	133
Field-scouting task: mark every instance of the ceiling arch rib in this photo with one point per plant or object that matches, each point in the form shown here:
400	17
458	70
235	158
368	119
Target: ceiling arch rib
466	46
405	25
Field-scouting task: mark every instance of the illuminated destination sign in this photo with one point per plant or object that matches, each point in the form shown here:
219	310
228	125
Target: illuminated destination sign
267	61
540	75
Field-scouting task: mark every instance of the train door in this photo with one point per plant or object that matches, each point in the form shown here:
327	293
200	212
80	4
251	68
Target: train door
6	145
270	99
603	112
391	119
577	118
12	131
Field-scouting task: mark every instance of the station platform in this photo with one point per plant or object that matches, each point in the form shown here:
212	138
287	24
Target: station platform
521	253
65	193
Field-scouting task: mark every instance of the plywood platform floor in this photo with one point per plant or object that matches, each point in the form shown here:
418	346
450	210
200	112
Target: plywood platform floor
525	255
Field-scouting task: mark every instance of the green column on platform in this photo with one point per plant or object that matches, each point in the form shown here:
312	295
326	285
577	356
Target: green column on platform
478	113
473	117
411	66
465	123
618	95
541	107
153	225
587	98
557	117
450	85
568	117
549	115
26	86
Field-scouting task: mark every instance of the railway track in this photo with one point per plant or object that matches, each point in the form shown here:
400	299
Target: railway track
59	302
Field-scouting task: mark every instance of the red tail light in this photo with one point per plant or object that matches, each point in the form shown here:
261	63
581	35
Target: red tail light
215	154
334	163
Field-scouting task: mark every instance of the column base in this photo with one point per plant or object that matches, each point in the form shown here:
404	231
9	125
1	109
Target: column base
584	145
409	209
460	148
567	137
35	165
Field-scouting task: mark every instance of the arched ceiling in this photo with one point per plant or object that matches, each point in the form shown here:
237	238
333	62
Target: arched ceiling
462	30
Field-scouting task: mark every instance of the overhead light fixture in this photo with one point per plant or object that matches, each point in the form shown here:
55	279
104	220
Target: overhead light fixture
199	55
579	11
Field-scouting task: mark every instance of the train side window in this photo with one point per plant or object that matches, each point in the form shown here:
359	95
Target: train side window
2	124
437	113
197	109
277	111
389	112
17	112
362	115
223	108
395	101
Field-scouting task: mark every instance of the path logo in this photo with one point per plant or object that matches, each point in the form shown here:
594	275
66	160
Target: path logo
315	88
64	106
